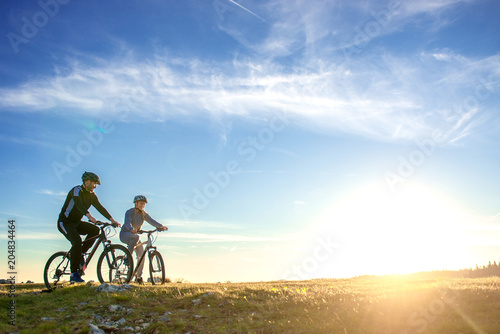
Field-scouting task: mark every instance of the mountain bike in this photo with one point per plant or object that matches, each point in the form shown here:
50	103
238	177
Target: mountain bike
114	264
156	264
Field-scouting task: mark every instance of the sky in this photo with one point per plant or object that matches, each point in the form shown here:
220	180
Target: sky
275	139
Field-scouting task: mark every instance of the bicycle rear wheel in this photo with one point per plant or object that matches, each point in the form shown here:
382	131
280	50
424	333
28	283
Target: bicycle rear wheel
57	270
115	265
156	268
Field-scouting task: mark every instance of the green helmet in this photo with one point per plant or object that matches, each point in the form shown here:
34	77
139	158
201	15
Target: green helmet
140	198
91	176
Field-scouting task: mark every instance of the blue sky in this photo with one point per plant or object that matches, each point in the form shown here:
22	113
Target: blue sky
275	139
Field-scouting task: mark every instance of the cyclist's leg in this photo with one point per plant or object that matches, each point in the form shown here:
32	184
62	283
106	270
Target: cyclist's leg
69	230
132	240
140	250
91	231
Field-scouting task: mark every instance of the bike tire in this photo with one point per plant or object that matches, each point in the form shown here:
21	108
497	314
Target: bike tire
156	268
112	266
57	266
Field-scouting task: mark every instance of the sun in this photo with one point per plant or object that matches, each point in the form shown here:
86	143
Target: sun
413	229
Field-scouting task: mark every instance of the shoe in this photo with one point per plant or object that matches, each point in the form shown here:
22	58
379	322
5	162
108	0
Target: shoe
75	278
139	280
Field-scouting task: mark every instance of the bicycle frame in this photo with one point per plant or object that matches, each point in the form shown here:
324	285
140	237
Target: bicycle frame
149	247
101	239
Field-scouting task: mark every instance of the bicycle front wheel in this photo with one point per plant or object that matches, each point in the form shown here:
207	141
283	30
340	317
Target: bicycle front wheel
156	268
115	265
57	270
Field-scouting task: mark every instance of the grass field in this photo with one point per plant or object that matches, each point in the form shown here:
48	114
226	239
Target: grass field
395	304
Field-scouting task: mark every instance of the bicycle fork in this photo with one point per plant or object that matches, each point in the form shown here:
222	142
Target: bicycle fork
58	273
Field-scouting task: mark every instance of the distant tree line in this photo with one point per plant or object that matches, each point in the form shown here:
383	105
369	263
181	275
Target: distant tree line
491	269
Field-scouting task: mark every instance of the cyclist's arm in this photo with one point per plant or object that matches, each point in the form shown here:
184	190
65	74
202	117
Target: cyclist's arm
152	221
103	211
100	208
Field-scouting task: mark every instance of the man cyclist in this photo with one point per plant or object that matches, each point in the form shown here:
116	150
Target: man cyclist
78	201
134	218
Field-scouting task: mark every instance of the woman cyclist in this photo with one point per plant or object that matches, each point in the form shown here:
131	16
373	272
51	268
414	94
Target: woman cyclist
134	218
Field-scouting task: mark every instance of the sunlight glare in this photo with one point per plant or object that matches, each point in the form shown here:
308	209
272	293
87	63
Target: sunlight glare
415	228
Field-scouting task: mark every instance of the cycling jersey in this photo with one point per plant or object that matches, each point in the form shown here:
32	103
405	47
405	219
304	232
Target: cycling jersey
77	204
134	220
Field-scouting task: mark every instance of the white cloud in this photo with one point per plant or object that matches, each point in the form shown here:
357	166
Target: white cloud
39	236
207	237
52	193
378	102
199	224
373	94
412	8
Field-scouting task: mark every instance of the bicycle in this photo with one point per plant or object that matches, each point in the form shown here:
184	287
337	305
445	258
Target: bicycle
113	266
156	263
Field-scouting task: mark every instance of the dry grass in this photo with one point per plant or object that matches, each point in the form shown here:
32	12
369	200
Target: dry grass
396	304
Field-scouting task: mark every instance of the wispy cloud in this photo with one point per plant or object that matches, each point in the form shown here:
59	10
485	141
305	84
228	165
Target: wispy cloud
207	237
199	224
492	219
52	193
431	7
377	102
17	215
22	139
38	236
211	231
373	94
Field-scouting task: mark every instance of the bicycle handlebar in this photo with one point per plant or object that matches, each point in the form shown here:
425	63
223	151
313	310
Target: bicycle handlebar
148	232
104	224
